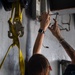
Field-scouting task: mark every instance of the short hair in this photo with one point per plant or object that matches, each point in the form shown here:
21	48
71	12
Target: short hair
38	65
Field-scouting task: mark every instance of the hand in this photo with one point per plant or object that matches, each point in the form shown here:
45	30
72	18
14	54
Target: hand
55	30
45	21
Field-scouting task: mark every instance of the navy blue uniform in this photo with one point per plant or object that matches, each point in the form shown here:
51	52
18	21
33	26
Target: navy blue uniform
70	70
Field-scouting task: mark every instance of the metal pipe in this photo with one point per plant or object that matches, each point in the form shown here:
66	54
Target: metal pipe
28	41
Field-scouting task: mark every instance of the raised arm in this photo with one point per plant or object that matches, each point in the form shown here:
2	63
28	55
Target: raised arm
45	21
56	32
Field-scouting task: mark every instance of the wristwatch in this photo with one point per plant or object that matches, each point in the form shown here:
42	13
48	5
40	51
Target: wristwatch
41	31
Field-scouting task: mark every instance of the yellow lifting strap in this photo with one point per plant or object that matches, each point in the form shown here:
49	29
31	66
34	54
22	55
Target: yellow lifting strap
13	24
21	60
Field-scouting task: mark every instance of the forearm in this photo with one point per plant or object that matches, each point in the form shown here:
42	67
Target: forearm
70	51
38	43
56	32
44	23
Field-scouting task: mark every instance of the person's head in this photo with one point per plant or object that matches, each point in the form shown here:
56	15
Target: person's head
38	65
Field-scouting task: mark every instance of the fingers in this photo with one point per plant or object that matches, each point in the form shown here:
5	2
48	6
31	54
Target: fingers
48	15
54	20
50	28
56	24
53	27
45	18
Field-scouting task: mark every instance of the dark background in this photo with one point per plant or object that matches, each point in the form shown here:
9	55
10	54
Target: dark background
61	4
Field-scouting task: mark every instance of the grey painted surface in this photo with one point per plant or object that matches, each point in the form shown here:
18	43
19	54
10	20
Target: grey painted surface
54	53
